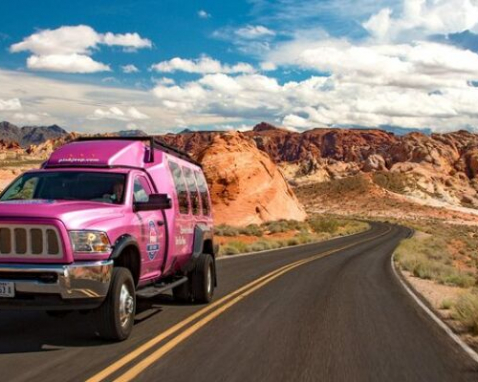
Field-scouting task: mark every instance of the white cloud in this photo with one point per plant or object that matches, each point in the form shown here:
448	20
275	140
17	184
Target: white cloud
66	63
26	117
69	103
64	40
10	104
164	81
254	32
129	69
420	18
268	66
203	14
201	65
117	113
127	40
419	65
68	48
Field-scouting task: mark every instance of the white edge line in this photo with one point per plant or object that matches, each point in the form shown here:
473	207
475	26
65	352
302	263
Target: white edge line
226	257
468	350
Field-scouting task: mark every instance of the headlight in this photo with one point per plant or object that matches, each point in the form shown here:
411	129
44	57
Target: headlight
90	242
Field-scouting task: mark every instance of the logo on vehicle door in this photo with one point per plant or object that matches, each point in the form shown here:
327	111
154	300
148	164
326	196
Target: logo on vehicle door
153	244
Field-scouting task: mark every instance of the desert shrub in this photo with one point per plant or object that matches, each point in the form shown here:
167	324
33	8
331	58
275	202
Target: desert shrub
226	230
260	245
465	310
227	250
428	259
293	241
393	181
460	279
281	243
446	304
324	224
251	230
284	226
305	238
239	245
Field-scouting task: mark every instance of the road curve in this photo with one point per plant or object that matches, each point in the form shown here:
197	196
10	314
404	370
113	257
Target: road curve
336	314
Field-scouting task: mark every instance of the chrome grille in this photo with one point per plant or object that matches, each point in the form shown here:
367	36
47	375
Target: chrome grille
26	241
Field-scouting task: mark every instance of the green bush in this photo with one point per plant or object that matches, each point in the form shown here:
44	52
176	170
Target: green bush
251	230
261	245
227	250
226	230
284	226
320	225
466	311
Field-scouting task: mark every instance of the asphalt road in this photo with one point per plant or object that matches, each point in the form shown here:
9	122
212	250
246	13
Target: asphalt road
340	315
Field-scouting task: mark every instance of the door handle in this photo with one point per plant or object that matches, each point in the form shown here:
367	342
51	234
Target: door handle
160	223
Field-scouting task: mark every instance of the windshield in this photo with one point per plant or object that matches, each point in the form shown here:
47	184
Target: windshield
68	185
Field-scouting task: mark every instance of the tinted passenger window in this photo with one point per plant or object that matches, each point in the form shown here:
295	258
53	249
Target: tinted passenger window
202	185
193	191
180	186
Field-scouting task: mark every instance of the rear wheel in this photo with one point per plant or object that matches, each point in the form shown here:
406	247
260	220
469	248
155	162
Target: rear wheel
202	279
115	317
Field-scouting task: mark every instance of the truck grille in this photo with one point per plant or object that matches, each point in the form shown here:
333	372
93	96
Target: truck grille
29	241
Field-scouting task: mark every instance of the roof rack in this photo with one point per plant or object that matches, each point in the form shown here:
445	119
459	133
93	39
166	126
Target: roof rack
153	143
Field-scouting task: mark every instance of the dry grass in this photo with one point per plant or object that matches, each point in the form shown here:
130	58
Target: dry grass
446	254
317	228
465	310
429	258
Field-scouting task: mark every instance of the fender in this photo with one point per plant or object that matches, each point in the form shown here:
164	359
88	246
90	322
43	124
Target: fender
121	243
201	233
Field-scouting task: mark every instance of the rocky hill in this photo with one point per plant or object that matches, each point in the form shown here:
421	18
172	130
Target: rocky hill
30	135
442	167
245	184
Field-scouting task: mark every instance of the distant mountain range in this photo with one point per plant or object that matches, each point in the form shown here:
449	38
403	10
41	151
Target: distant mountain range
35	135
29	135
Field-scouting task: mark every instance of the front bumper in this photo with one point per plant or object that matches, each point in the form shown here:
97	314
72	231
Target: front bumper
74	286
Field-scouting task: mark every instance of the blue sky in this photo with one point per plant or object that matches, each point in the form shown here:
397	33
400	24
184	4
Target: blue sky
166	65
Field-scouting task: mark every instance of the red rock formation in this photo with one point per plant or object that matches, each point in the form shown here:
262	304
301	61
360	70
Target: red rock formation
246	186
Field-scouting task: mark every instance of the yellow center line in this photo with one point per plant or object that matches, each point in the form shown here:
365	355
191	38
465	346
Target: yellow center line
234	298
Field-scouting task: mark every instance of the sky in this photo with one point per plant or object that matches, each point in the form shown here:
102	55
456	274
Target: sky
166	65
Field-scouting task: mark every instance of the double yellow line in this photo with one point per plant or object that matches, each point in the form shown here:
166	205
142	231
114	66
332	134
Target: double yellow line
228	301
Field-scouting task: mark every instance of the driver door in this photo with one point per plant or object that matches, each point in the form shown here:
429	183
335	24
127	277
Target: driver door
152	230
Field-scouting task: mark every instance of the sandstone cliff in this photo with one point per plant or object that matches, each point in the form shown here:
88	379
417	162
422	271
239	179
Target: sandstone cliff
245	185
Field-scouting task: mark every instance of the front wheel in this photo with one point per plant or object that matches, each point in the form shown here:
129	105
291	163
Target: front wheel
115	317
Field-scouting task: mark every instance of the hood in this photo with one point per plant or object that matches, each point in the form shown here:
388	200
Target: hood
73	214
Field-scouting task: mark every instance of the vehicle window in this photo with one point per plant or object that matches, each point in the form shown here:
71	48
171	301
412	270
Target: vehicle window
180	185
202	186
141	190
193	191
68	185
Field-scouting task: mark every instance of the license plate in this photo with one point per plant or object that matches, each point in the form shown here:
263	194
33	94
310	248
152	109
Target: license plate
7	289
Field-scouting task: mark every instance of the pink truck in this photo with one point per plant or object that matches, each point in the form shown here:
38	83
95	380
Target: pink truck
104	221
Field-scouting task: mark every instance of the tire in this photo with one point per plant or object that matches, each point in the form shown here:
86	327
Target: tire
202	279
115	317
58	313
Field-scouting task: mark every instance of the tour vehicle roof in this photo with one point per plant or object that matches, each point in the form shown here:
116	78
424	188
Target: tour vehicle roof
114	152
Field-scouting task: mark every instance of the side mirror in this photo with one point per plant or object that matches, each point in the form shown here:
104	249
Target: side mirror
155	202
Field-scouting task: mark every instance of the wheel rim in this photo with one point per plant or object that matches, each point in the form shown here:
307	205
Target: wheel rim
126	306
209	280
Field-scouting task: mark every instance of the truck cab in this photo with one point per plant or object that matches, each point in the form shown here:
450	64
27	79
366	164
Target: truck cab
106	221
